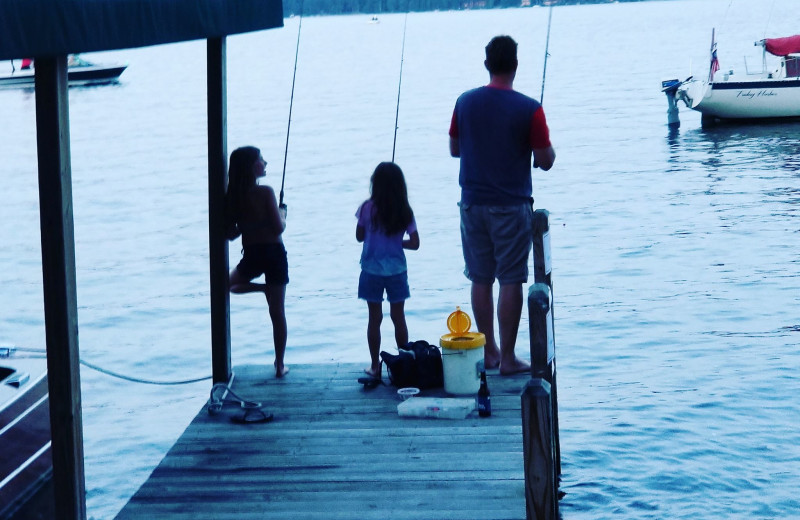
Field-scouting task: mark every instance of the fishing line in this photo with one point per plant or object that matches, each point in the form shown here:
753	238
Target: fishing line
399	83
291	102
546	52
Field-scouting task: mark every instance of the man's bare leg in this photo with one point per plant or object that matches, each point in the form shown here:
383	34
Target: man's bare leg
509	311
483	307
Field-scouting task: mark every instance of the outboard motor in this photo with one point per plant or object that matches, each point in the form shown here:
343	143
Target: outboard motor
670	88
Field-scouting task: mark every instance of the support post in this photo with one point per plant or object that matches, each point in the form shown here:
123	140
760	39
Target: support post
541	331
541	502
59	284
217	184
543	265
541	247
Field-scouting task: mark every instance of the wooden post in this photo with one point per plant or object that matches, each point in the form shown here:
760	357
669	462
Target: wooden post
59	284
539	400
541	502
217	184
541	331
542	272
541	247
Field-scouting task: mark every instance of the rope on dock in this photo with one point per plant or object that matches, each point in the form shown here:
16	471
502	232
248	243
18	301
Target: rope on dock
218	398
109	372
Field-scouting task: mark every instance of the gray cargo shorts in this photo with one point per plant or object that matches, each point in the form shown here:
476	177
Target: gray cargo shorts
496	241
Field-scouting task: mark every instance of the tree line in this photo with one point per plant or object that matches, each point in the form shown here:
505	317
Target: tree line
323	7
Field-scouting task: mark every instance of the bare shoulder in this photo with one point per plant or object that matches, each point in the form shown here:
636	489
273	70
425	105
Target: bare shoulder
265	192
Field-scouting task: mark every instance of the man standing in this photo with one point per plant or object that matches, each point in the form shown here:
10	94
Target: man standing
495	131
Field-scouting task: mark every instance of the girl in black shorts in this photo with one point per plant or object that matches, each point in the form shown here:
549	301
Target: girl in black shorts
253	213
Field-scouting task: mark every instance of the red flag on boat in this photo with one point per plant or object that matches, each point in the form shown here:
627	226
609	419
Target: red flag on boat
714	67
714	63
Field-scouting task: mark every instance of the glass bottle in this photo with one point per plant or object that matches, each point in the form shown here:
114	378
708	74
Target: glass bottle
484	402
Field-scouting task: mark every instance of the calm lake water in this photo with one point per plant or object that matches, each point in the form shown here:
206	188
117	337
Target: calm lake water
675	254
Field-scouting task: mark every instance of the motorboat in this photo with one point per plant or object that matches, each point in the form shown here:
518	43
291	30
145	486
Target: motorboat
25	456
769	94
79	72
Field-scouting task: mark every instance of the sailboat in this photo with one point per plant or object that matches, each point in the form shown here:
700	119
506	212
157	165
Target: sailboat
723	95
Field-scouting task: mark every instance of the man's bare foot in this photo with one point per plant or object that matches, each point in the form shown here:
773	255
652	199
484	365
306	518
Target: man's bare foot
491	358
280	370
518	366
373	371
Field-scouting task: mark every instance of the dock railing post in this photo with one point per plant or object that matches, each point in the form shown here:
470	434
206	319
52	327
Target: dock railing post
538	448
539	399
542	273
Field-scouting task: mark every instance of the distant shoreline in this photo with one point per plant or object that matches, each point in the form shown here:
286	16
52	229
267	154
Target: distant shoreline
374	7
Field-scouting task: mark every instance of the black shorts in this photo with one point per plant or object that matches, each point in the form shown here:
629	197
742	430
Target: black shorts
267	259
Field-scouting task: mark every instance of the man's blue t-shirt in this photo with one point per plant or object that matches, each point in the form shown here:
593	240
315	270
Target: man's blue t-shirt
497	129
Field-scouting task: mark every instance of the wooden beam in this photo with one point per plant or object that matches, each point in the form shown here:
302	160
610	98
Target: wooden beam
58	272
217	184
538	447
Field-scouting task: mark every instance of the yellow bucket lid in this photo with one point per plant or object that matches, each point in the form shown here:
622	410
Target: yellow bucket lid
460	338
459	321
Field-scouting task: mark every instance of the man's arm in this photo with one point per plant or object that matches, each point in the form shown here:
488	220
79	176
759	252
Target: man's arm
455	151
544	158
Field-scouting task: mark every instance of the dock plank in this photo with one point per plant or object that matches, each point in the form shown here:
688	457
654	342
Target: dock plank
337	451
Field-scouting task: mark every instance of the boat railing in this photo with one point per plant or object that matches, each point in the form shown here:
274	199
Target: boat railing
749	73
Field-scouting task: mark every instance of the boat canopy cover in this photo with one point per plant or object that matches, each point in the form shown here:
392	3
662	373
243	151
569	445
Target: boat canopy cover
783	46
38	28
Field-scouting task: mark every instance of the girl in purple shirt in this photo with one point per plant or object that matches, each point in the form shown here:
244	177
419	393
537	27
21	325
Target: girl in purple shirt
384	221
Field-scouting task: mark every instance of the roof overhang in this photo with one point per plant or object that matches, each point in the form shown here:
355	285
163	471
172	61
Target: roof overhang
35	28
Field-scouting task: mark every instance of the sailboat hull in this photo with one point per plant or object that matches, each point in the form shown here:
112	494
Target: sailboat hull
750	99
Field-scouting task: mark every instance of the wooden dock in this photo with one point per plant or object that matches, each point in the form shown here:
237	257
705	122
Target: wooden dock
337	451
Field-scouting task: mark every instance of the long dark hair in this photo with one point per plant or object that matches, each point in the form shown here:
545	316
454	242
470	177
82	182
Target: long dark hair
392	212
241	178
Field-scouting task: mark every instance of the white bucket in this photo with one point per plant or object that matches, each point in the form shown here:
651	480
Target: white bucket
460	365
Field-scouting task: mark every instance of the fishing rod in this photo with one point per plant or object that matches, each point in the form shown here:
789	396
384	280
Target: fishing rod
291	102
399	83
546	53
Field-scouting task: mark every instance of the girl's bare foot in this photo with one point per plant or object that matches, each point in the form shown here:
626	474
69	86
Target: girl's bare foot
373	371
280	370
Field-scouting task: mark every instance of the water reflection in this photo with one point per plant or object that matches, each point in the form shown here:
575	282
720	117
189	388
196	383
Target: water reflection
755	146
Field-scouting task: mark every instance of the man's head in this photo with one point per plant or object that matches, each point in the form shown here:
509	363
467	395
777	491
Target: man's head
501	55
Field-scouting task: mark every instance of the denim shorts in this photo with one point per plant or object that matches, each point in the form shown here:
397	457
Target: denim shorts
496	241
371	287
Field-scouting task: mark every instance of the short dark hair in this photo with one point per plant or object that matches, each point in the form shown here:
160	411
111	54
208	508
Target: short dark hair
501	55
